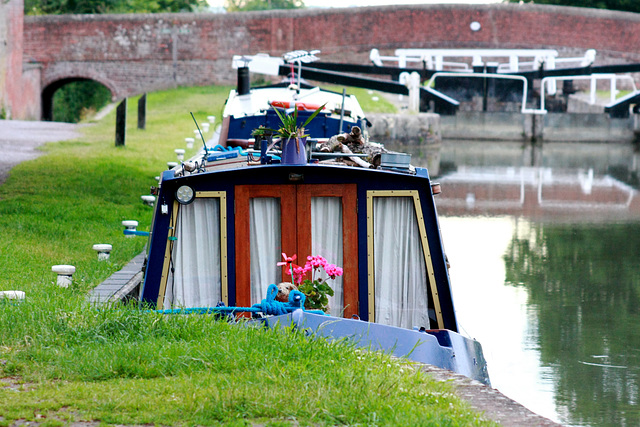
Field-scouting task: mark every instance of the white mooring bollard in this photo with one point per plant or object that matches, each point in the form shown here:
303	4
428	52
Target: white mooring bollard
148	200
65	274
211	119
179	153
205	127
131	226
104	250
12	295
189	142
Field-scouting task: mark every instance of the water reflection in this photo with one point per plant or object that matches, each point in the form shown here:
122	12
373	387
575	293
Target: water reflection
544	243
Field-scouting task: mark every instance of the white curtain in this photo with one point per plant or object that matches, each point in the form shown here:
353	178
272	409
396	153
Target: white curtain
196	279
400	271
266	248
326	240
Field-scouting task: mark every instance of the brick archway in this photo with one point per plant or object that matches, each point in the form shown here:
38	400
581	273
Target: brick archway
49	91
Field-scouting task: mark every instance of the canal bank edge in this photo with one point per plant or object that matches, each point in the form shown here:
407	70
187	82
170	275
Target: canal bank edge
489	401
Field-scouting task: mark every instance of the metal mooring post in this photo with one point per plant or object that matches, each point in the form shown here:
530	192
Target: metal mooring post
121	122
142	112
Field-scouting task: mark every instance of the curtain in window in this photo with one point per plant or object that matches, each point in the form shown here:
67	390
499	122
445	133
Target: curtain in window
326	240
400	272
266	248
196	279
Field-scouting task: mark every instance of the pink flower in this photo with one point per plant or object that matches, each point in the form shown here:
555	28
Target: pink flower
333	271
313	263
298	273
287	260
316	261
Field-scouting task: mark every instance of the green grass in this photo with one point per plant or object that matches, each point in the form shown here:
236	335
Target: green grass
370	101
63	361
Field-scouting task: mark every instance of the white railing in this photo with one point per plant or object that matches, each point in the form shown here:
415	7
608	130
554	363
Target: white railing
613	79
525	85
435	59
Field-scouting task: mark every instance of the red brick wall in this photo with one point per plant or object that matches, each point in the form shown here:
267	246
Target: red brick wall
11	32
135	53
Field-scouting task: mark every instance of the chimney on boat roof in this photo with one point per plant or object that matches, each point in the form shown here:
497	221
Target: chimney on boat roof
244	86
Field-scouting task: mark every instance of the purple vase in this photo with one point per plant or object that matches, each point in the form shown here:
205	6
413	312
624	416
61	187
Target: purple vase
292	153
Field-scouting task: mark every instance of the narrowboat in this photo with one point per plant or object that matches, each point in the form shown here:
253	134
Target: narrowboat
221	225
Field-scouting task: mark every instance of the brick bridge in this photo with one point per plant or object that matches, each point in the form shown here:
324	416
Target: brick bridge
132	54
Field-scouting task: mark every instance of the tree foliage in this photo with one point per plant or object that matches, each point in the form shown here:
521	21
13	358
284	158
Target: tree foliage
59	7
249	5
74	101
623	5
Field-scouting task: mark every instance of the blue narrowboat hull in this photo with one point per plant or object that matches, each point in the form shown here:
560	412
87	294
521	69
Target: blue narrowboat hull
442	348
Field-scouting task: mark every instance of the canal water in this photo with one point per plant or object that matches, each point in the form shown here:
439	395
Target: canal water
544	246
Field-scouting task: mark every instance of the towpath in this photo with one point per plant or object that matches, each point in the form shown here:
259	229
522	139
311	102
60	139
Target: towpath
19	140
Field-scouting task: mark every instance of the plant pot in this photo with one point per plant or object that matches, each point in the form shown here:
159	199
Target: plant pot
294	153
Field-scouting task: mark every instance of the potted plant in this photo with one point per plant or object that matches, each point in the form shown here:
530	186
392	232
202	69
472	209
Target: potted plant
292	136
316	290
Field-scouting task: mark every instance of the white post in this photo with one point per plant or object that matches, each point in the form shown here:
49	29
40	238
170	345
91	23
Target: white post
412	82
614	90
104	250
513	62
592	93
439	63
550	64
402	61
65	274
149	199
12	295
130	225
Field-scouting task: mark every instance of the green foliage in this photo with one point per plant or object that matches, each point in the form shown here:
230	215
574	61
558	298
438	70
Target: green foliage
370	101
249	5
624	5
72	102
289	123
317	294
59	7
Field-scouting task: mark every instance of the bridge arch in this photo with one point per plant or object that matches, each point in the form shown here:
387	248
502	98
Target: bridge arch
51	88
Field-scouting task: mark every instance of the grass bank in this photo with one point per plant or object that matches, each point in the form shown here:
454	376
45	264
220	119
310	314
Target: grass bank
62	361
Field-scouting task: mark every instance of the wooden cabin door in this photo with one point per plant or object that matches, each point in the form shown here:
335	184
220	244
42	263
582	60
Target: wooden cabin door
271	219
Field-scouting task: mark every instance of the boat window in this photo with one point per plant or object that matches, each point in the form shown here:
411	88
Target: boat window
265	244
326	240
398	266
198	274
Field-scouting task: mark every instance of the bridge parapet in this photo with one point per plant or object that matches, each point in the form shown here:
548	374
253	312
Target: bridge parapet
132	54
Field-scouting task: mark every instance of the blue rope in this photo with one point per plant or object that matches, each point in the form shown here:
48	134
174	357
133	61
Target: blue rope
268	306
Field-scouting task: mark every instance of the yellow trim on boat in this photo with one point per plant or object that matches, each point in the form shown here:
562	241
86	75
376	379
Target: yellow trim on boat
224	274
423	239
167	256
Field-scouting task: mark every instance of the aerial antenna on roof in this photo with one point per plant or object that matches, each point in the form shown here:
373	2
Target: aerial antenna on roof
204	144
300	56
